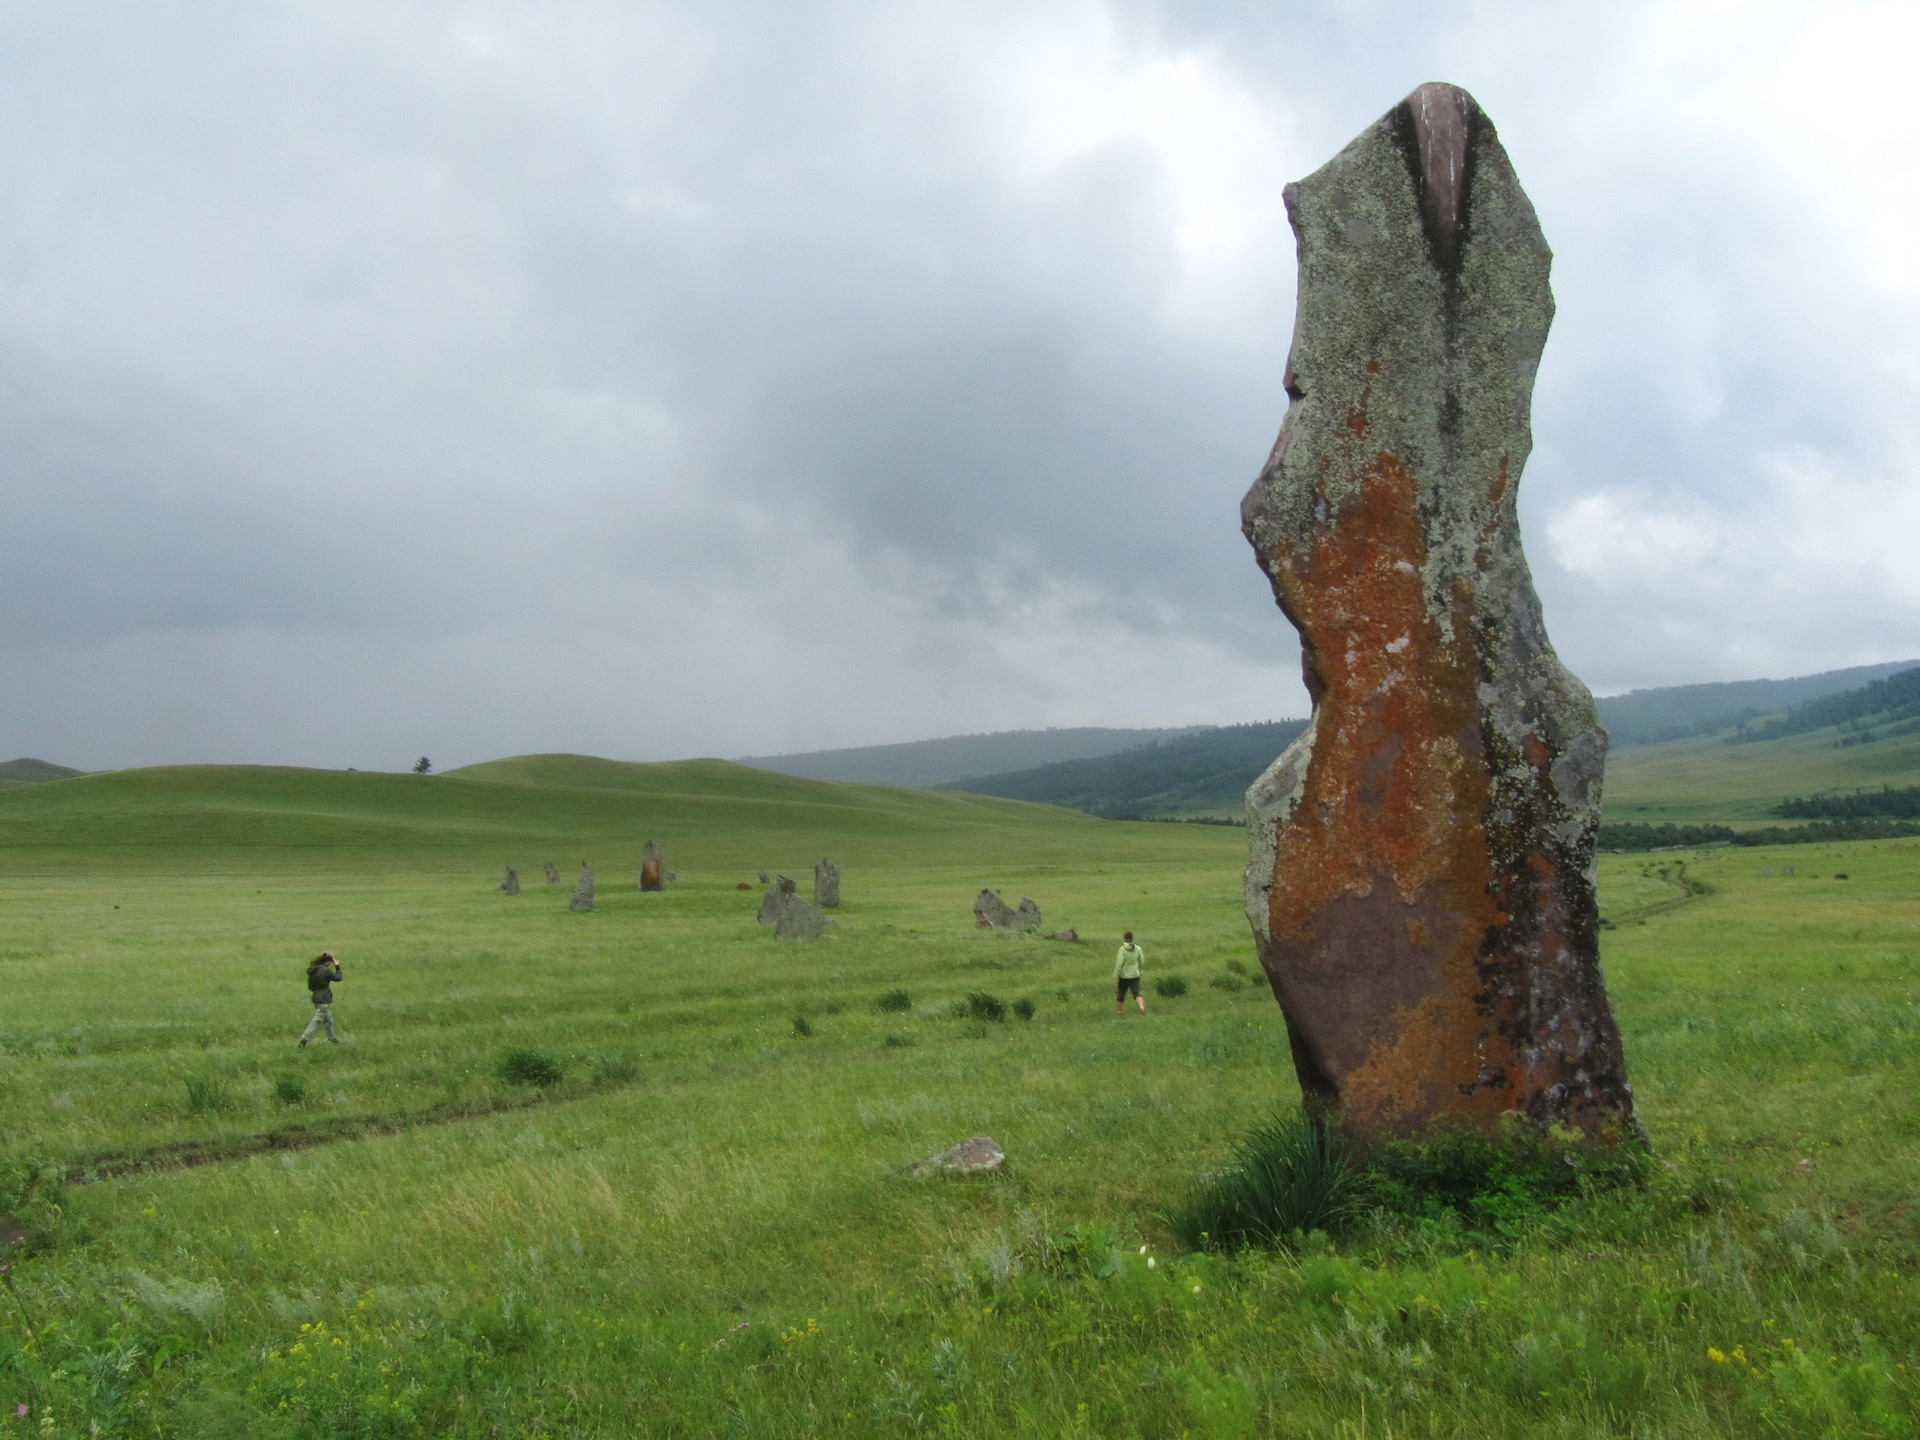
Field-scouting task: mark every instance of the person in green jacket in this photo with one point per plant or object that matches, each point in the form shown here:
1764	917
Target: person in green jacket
1126	975
321	975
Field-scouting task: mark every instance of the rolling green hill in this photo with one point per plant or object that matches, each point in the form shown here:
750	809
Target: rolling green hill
708	814
1677	712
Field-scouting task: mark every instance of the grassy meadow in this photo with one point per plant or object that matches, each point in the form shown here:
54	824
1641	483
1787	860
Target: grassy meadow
708	1225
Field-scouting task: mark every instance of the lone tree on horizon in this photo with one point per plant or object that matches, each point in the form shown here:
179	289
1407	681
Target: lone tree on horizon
423	766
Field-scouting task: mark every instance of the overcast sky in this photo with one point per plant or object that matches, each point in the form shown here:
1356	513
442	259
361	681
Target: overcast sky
655	380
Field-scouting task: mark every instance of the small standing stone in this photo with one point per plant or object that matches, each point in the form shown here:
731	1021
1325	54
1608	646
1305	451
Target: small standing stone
650	875
772	902
826	885
512	883
798	920
763	878
784	885
1027	917
990	912
583	891
553	873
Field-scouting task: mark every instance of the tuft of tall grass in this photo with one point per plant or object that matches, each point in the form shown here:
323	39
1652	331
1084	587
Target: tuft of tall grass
1170	987
522	1066
894	1002
208	1095
802	1027
611	1070
289	1089
979	1005
1287	1178
1023	1007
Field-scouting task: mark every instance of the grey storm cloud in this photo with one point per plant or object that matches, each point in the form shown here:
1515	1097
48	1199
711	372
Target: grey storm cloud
672	379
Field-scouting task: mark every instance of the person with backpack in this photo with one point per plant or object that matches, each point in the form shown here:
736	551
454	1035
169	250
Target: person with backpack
1126	976
321	975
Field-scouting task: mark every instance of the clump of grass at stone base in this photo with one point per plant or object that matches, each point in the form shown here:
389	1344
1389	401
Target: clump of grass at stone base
1290	1180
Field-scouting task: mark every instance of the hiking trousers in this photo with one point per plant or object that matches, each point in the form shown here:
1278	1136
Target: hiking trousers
322	1015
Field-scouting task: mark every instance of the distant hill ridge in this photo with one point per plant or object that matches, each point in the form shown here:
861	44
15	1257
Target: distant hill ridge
33	772
1674	712
1208	773
927	763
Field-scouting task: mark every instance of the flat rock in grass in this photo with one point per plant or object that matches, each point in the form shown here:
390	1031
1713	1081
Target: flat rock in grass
651	876
1420	879
975	1156
583	889
826	885
798	920
1065	935
990	912
553	873
512	883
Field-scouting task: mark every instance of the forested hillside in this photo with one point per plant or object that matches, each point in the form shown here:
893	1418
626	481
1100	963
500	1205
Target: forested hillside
1674	712
1200	774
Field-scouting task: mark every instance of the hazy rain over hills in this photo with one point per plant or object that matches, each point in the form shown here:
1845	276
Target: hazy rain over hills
658	380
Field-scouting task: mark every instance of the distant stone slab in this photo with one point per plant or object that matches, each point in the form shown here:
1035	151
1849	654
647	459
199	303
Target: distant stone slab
512	883
974	1156
553	873
1420	878
798	920
990	912
826	885
650	871
583	889
1027	917
1065	935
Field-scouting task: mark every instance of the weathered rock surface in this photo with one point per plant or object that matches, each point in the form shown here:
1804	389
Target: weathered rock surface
972	1156
512	883
772	902
763	877
650	875
1027	917
1421	881
990	912
826	885
583	889
798	920
553	873
1065	935
784	885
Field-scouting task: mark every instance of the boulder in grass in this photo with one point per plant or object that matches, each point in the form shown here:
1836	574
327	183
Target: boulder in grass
798	920
583	889
990	912
512	883
1068	934
651	875
976	1156
1027	917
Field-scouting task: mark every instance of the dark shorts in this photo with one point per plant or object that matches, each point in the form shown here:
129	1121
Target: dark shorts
1123	985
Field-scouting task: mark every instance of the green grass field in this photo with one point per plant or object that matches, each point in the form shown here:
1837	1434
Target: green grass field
1709	781
705	1227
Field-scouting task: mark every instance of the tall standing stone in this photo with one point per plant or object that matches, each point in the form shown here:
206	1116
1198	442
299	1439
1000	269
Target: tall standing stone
990	912
583	889
826	885
1421	882
650	877
512	883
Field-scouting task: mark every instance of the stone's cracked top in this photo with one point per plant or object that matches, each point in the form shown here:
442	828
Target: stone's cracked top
1420	877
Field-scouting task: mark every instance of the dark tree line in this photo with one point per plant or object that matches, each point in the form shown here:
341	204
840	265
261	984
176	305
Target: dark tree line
1901	804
